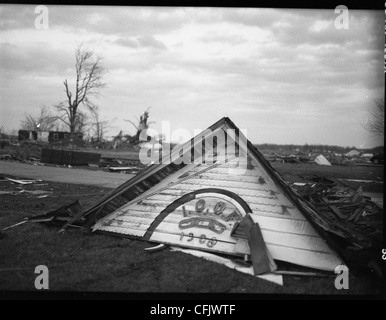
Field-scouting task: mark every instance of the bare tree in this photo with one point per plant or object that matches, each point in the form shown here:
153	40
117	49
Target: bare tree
376	123
89	75
82	122
117	139
44	121
143	124
97	124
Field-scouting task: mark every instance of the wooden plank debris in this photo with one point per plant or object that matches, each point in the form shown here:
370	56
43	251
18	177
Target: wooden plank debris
14	225
345	212
337	212
20	181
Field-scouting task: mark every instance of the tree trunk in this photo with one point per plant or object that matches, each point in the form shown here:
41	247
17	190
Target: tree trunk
72	131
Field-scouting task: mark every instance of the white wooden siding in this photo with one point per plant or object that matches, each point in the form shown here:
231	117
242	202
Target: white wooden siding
288	235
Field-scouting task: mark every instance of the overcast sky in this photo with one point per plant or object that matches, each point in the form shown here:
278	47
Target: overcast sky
286	76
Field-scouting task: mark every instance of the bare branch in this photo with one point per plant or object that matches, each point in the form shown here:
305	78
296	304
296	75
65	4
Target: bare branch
88	81
68	93
44	121
132	123
61	108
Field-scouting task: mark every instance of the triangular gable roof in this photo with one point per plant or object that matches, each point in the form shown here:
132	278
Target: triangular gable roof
146	205
321	160
353	153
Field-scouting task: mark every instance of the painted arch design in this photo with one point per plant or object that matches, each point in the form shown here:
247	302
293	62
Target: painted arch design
225	195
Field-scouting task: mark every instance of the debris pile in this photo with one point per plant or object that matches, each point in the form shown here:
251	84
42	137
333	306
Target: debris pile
344	212
131	166
60	216
238	206
22	189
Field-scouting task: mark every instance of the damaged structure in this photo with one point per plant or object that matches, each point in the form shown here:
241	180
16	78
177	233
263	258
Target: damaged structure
321	160
217	195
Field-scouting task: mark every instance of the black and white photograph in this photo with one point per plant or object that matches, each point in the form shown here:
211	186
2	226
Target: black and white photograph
181	150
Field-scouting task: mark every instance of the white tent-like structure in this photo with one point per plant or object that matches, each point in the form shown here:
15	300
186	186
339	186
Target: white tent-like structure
321	160
224	198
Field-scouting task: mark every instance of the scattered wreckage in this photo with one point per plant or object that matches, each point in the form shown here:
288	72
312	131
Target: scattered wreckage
224	203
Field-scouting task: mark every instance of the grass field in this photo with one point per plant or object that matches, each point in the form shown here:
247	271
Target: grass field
81	261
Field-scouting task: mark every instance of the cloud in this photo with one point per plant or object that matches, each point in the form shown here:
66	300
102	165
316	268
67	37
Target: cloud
253	17
128	42
232	39
24	60
146	41
285	75
109	20
317	27
16	17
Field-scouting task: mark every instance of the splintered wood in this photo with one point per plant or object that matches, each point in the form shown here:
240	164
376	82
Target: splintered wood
345	212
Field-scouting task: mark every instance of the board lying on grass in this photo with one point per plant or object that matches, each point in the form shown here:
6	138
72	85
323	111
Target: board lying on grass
198	195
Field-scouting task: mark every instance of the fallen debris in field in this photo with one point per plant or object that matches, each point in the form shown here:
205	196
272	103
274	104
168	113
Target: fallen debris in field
8	192
20	181
61	215
121	165
345	212
156	248
237	205
6	157
123	169
14	225
35	192
41	193
197	205
33	160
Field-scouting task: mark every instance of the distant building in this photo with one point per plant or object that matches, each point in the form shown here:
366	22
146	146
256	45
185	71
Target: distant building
353	153
367	155
321	160
27	135
52	137
43	136
63	137
55	136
